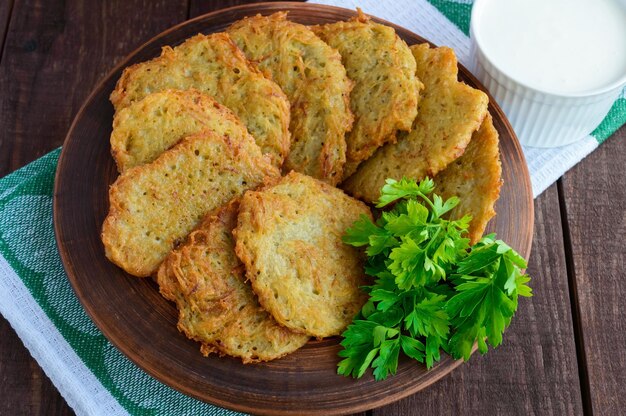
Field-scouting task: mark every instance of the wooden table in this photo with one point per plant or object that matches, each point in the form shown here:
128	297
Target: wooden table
565	352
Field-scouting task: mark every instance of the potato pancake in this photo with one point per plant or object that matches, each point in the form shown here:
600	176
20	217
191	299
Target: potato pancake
216	306
147	128
475	178
154	206
215	66
311	74
386	89
448	113
289	237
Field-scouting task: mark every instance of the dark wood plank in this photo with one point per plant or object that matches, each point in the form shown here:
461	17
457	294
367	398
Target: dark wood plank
54	54
594	195
199	7
535	370
5	15
25	388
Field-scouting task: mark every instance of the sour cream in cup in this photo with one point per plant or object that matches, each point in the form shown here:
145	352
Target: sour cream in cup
554	66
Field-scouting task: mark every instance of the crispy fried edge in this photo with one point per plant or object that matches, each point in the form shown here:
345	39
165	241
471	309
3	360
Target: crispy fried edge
192	99
360	185
118	96
330	172
226	216
483	147
354	158
249	259
115	206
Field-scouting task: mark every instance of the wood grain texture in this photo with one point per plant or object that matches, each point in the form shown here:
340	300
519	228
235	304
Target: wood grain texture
200	7
305	381
54	54
6	7
534	371
24	387
594	198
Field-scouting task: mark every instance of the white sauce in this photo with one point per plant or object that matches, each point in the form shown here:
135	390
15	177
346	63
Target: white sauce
558	46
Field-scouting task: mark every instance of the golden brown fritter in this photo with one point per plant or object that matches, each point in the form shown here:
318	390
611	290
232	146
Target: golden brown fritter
146	128
216	306
386	89
311	74
475	178
448	113
154	206
215	66
289	237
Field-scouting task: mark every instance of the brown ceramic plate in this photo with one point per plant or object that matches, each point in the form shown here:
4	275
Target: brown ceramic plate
137	320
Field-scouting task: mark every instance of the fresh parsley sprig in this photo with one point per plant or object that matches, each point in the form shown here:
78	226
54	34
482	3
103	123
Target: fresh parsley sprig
432	291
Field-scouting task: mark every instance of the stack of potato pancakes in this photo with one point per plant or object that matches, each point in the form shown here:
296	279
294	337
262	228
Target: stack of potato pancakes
230	147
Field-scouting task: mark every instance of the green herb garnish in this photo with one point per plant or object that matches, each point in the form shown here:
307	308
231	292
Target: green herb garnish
432	291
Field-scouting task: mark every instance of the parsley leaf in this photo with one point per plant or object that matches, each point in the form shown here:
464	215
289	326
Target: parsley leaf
413	348
387	361
432	291
394	190
428	317
489	282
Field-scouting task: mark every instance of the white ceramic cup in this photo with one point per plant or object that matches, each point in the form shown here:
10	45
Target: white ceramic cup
540	118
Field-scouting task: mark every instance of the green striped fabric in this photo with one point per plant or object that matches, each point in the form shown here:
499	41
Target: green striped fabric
613	121
457	12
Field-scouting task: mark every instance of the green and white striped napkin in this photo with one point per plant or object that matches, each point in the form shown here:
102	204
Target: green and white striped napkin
36	298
